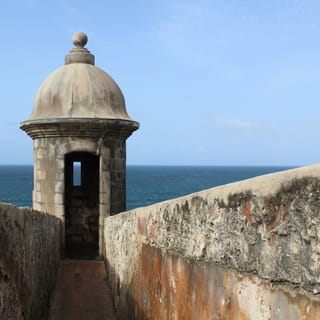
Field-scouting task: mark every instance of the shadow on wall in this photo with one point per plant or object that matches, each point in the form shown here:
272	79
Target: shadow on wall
125	305
29	259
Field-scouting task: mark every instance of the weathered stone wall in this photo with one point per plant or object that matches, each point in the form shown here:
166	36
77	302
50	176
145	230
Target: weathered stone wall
248	250
49	172
117	169
29	258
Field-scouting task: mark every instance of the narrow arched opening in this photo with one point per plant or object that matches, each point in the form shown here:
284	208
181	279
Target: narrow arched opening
81	205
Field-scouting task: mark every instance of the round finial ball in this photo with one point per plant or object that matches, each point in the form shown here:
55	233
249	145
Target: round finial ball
79	39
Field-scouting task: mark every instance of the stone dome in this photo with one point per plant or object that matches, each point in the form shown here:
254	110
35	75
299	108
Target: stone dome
79	90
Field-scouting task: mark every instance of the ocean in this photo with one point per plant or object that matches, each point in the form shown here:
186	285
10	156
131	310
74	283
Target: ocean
145	184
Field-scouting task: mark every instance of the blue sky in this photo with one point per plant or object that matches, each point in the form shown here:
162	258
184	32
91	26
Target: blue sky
211	82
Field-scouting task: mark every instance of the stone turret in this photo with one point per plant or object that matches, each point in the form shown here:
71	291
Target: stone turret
79	126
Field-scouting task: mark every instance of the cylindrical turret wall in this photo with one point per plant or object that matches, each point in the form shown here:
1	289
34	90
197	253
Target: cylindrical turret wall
50	167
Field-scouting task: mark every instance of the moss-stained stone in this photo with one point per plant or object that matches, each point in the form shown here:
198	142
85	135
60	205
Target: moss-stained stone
29	258
264	229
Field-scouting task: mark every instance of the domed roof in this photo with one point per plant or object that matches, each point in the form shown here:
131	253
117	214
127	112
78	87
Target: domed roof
79	90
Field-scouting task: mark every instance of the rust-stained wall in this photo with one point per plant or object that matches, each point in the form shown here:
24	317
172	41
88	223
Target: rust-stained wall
248	250
29	258
169	286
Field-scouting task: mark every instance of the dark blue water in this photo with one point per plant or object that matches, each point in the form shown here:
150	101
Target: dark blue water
151	184
145	184
16	185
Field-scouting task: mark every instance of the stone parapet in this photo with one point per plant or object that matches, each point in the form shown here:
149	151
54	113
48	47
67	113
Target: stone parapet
29	259
252	246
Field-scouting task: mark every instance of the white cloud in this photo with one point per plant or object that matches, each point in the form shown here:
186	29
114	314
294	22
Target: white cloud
246	128
238	124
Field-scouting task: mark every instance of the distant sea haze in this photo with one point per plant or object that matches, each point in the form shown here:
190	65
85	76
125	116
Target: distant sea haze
145	184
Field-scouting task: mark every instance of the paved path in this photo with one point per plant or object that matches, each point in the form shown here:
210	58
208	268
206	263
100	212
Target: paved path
81	292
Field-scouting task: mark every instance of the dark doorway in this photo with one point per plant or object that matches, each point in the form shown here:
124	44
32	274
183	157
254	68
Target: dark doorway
81	205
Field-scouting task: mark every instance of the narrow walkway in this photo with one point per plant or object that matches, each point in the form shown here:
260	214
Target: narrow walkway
81	292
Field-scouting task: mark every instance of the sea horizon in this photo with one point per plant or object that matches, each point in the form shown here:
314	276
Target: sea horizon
145	184
187	165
